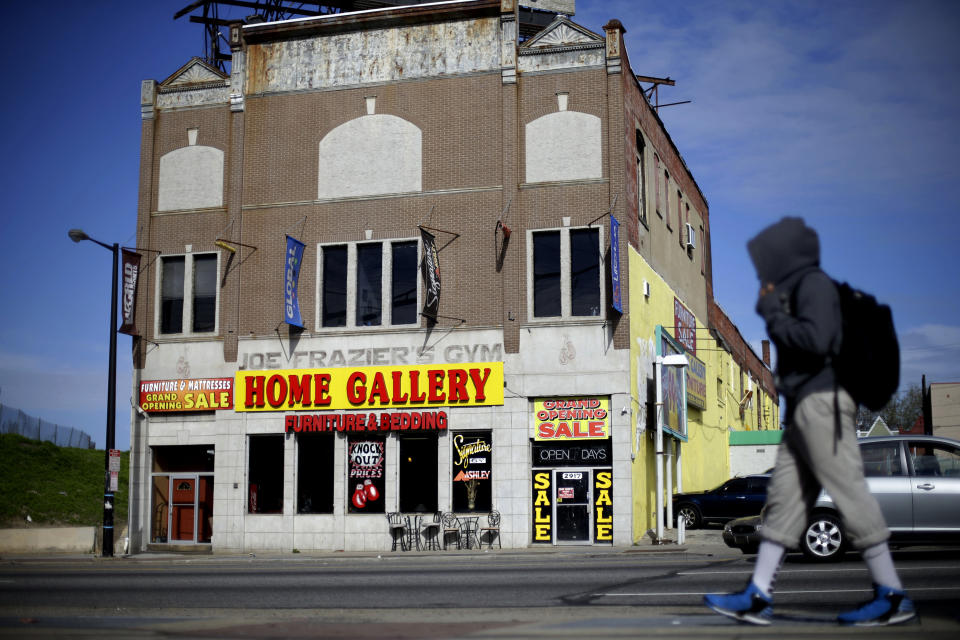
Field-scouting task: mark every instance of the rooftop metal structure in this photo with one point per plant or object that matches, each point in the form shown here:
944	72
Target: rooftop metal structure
217	15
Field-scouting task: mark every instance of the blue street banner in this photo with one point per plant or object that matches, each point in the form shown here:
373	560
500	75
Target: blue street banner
615	263
291	276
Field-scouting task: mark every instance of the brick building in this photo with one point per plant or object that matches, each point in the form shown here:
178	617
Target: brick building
343	163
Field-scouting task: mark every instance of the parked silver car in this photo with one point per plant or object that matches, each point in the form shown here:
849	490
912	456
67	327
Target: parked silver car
916	480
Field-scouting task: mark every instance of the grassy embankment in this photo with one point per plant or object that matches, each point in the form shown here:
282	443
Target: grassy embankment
55	486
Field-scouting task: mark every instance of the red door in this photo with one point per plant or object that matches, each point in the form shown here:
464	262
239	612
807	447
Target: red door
183	509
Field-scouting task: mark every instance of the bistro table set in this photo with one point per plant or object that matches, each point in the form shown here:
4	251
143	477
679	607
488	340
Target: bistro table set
436	531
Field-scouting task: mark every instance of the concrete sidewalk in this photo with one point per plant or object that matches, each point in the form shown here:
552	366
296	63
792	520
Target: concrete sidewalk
706	542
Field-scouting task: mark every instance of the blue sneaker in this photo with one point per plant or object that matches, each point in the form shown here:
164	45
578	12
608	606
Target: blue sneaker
889	606
749	605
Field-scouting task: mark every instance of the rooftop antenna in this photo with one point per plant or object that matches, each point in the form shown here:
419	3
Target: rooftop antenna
214	20
217	15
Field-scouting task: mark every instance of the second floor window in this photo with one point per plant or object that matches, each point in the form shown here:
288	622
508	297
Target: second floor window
368	284
188	294
565	273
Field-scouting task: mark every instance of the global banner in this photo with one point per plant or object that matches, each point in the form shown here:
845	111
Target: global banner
131	273
615	263
205	394
291	277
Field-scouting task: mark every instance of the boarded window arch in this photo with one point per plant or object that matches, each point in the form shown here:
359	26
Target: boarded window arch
563	146
370	155
190	178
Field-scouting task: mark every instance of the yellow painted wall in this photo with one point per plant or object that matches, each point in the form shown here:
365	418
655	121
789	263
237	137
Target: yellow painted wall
705	457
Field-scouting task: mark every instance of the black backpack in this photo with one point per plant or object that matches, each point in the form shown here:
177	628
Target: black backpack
868	362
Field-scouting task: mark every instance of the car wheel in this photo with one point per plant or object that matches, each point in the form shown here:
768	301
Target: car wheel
690	515
823	539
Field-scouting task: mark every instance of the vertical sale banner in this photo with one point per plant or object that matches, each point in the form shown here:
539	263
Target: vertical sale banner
291	277
131	273
615	264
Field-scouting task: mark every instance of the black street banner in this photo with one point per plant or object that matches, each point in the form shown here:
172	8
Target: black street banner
131	272
431	274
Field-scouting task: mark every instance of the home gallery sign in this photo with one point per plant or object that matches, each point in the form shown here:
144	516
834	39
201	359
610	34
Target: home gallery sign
410	387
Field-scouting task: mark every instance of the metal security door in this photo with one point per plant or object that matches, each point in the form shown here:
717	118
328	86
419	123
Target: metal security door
572	501
183	509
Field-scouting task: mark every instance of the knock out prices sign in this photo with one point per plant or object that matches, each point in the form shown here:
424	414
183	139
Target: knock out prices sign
366	475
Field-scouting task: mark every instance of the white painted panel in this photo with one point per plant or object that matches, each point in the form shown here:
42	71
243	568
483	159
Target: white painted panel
191	178
370	155
563	146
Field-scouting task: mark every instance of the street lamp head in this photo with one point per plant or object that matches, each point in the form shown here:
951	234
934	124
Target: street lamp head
77	235
675	360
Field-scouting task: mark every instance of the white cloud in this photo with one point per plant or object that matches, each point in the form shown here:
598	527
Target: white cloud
932	350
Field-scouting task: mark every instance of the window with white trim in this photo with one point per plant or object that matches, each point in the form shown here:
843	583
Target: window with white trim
188	294
565	275
368	284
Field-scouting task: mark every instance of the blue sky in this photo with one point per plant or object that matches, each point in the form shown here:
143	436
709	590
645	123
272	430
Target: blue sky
842	112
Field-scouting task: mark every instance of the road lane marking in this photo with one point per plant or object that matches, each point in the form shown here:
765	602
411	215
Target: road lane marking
779	592
901	569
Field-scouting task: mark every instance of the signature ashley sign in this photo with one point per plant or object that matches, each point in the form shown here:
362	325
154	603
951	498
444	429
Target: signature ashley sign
413	386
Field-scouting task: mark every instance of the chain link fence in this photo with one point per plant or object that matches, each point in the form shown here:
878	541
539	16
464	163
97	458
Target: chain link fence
16	421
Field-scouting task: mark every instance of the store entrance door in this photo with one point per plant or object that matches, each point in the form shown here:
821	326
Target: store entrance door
183	508
572	500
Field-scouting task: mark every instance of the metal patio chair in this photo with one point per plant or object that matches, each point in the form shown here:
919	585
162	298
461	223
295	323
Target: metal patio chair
398	530
450	526
491	530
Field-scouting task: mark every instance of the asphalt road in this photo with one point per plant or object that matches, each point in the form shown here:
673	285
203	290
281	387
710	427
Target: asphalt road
558	593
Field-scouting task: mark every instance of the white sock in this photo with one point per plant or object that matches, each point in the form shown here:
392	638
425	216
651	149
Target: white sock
769	558
880	563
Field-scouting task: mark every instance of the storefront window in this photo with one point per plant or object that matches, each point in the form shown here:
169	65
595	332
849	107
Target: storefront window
366	474
418	473
265	475
315	473
472	464
182	494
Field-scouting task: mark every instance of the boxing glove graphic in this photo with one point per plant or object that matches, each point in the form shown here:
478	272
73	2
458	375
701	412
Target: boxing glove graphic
359	499
370	490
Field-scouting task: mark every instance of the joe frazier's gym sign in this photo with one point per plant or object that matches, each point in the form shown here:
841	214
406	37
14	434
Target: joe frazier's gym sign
408	387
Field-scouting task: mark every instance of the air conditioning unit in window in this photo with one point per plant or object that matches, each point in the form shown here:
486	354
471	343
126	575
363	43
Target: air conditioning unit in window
691	236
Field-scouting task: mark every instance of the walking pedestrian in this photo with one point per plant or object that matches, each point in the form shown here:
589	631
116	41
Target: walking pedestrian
801	308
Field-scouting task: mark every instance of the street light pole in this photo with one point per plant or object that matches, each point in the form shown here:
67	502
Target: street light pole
107	548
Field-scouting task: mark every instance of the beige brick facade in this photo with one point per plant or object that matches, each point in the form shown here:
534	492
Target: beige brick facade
472	119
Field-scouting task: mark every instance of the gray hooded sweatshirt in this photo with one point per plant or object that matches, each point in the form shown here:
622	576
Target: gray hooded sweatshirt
803	311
